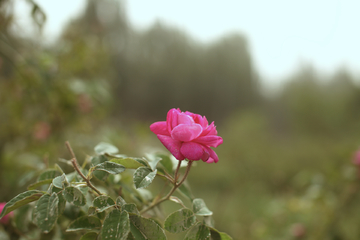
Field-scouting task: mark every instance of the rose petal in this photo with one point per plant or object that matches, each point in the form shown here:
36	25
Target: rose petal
209	140
186	132
172	145
210	130
206	155
213	156
192	151
210	160
184	119
159	128
172	118
198	119
204	122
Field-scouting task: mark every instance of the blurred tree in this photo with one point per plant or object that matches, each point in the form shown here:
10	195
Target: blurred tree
45	94
317	104
165	68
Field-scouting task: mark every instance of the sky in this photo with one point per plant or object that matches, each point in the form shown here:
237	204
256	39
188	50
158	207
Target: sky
282	34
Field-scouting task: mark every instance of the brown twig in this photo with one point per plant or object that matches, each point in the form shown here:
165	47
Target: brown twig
167	177
76	167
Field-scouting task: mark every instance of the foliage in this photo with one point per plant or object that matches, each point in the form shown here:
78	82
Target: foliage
117	211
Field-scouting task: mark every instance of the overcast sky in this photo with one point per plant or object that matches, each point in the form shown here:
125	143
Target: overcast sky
281	33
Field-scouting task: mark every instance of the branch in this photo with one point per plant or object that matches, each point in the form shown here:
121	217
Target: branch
176	185
76	167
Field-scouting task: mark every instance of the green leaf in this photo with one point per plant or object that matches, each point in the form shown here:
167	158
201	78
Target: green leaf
73	177
102	203
103	147
85	223
144	228
58	168
98	159
21	218
142	161
130	208
89	236
48	174
38	184
216	235
110	167
83	189
166	162
116	226
180	220
101	215
198	232
129	163
101	175
92	210
20	200
209	221
59	181
62	203
184	189
45	212
154	160
74	196
143	177
135	233
130	236
120	201
200	209
176	200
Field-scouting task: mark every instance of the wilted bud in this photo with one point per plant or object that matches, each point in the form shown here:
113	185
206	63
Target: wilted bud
298	230
356	159
84	103
41	131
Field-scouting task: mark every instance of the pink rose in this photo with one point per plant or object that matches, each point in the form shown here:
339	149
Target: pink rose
188	135
4	219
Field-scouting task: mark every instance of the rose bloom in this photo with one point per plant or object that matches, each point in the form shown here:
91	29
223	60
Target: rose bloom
188	135
5	219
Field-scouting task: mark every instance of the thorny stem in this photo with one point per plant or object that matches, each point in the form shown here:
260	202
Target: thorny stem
76	167
176	185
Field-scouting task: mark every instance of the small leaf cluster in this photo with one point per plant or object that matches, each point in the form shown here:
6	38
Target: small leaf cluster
105	199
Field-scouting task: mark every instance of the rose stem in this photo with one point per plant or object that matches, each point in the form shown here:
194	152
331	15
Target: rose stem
176	185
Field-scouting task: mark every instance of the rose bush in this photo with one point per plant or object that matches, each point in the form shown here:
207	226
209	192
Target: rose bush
188	135
102	199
